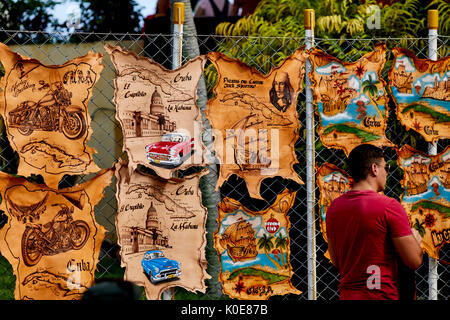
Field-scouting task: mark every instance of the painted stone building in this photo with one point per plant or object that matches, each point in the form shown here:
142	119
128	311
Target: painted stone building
137	239
154	123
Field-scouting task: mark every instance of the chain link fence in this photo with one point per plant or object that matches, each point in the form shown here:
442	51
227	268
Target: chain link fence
56	48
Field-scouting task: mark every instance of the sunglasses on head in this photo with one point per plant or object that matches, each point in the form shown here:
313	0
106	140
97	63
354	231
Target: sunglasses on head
387	167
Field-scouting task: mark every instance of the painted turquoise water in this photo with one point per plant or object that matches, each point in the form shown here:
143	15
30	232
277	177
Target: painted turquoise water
349	115
429	194
322	213
414	97
259	260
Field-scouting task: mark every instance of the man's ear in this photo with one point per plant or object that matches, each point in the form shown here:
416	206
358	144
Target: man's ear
373	169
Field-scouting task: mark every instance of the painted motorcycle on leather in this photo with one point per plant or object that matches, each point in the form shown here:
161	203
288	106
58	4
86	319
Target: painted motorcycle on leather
53	112
61	234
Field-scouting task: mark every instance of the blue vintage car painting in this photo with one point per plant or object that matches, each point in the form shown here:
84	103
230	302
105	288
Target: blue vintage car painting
158	267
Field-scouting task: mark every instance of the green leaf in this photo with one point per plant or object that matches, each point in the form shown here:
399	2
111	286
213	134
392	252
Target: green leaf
364	135
440	117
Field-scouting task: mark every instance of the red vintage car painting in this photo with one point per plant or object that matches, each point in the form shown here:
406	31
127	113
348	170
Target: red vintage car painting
173	149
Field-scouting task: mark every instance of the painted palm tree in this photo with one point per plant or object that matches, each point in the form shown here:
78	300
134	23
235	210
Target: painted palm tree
370	87
266	244
419	227
161	122
281	243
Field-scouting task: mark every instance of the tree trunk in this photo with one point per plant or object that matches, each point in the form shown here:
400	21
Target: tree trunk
271	259
210	197
376	107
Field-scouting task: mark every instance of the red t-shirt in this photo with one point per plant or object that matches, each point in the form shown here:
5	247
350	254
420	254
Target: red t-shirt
360	225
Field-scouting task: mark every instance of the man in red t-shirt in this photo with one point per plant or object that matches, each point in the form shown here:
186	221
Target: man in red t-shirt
367	231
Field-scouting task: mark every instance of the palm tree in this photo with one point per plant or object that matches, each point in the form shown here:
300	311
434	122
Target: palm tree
370	87
419	227
281	243
266	243
161	121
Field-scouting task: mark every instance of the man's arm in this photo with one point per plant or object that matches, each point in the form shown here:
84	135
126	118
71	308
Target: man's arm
406	244
408	248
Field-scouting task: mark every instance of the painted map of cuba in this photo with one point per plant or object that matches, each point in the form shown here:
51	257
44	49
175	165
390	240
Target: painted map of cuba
254	249
161	231
51	239
156	108
426	198
421	91
351	99
45	110
254	119
332	182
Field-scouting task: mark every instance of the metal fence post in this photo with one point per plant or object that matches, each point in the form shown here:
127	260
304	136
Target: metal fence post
433	23
310	185
178	20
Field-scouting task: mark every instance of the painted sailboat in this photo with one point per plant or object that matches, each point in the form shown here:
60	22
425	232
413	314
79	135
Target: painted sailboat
247	151
418	178
240	241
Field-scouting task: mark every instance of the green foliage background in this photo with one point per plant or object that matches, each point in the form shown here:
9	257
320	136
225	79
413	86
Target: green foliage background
342	20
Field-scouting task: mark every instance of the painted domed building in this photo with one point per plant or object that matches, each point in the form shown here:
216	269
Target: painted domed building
154	123
138	239
152	221
156	104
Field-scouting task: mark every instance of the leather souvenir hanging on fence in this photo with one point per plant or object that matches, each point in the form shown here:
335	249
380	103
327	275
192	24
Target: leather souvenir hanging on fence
161	231
156	107
254	249
351	99
254	119
45	110
332	182
51	239
426	198
421	92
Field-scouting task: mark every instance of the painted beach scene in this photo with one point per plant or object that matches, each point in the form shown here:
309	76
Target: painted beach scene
421	91
351	100
254	255
426	196
424	181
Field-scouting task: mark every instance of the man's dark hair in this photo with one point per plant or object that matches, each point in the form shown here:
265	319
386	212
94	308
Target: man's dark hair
288	91
361	159
112	290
